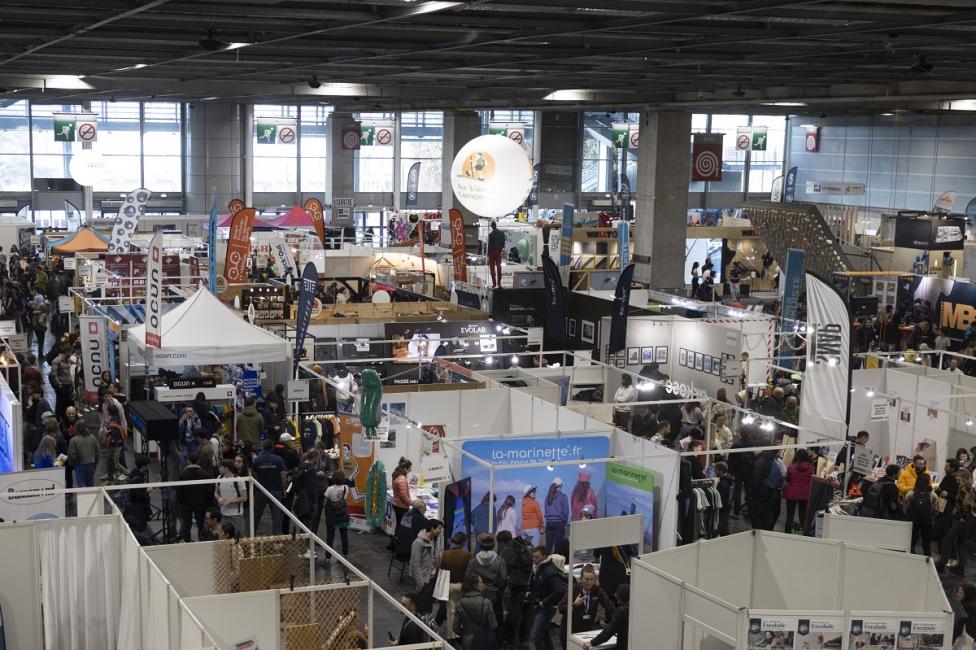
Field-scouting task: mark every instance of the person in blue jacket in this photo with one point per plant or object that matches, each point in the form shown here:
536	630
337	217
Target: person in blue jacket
557	514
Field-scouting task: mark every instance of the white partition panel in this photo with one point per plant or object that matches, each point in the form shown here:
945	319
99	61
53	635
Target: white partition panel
520	413
20	598
883	533
879	577
485	412
785	561
188	567
680	562
157	626
437	407
725	567
901	433
567	420
931	417
191	634
236	617
655	611
861	382
544	416
718	619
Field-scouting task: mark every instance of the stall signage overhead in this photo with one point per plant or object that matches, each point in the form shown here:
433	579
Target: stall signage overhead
751	138
276	130
625	136
71	127
513	131
834	188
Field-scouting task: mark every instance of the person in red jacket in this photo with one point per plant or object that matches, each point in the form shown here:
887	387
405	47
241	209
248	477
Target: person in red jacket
797	487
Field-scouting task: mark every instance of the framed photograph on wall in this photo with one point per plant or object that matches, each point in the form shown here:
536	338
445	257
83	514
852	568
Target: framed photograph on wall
620	362
707	365
661	354
716	366
682	357
699	361
571	330
647	355
633	356
587	331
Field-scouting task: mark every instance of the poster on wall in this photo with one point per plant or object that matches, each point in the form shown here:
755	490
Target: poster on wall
630	491
42	505
924	634
457	508
797	631
954	303
564	488
355	459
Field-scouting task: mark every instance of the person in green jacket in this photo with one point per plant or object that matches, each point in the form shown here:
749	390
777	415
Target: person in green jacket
250	424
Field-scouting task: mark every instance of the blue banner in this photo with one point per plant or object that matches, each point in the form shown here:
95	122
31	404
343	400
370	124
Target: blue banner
792	287
789	187
566	243
623	243
555	323
533	199
212	243
306	301
413	184
621	309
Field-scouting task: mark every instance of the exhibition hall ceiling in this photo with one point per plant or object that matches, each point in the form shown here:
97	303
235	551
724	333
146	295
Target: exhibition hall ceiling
508	53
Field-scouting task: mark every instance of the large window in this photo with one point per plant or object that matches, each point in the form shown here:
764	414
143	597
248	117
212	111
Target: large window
275	165
14	147
422	140
120	146
525	118
374	164
315	147
162	147
50	158
733	159
766	165
603	164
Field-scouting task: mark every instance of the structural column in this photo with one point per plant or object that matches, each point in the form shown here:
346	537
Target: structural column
213	154
560	138
340	163
460	127
660	227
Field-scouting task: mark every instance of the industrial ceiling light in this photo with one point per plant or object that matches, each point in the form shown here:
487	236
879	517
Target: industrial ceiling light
920	65
314	82
211	43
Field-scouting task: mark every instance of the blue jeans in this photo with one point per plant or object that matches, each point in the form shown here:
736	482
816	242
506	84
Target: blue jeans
260	501
541	634
85	475
533	535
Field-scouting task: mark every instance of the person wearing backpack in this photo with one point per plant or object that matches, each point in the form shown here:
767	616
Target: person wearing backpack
963	511
493	572
475	621
336	511
881	499
921	512
518	561
765	488
797	490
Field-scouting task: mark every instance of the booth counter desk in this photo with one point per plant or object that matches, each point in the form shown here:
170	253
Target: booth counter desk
388	525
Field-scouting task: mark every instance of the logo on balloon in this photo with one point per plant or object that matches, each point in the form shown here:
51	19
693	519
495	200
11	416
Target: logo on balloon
480	166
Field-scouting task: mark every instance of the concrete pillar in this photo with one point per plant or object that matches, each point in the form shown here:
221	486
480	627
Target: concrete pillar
340	164
662	198
247	159
560	137
213	154
460	127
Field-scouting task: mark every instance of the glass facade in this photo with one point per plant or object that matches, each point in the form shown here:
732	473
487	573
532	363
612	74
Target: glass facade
275	165
602	163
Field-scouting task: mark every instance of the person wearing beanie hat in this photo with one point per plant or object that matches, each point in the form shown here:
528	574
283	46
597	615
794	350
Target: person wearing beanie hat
532	520
619	622
557	514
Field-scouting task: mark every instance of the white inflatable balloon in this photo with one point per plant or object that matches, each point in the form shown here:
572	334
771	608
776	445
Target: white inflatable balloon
491	176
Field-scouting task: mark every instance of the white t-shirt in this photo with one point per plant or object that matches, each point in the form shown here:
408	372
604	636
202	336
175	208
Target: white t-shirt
231	490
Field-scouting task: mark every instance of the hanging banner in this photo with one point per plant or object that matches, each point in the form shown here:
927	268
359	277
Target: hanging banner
72	216
743	138
413	184
129	214
625	197
284	259
789	191
706	157
625	135
623	243
315	212
86	128
235	206
212	244
239	247
811	139
94	353
64	127
834	188
566	240
826	380
154	292
276	130
458	250
555	323
72	127
306	301
776	194
792	287
534	192
621	308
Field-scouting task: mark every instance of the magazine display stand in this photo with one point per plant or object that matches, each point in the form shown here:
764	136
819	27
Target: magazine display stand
763	589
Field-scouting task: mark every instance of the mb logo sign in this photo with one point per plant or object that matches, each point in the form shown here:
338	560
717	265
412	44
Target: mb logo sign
827	343
956	316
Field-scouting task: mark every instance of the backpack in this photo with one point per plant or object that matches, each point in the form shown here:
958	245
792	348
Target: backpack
336	510
872	498
476	634
920	505
776	477
40	320
521	569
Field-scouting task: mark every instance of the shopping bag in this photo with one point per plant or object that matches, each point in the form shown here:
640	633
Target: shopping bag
442	585
964	642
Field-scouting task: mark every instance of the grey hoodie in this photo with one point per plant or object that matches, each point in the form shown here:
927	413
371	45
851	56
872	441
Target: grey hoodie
493	571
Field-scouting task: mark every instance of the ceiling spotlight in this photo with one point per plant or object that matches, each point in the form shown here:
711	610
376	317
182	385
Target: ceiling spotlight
514	360
211	43
314	82
498	328
920	65
969	422
901	358
738	92
582	465
748	418
489	360
870	392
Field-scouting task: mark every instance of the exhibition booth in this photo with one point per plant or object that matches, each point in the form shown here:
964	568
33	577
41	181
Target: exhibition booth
761	589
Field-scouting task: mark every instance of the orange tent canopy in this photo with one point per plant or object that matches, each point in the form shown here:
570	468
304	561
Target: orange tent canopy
84	240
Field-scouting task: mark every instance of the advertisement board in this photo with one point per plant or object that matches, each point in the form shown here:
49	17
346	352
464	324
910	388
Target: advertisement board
10	425
630	491
94	352
794	630
355	459
38	503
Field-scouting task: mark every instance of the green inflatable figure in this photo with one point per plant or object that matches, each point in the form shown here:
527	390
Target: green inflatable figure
369	402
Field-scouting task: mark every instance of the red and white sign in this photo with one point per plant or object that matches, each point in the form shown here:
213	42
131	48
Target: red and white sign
383	135
87	130
458	252
812	139
517	136
706	157
351	135
94	353
154	292
239	246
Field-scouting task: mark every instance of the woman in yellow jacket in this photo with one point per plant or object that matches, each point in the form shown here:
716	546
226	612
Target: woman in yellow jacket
908	475
532	520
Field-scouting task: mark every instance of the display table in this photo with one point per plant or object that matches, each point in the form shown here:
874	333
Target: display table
577	639
388	524
883	533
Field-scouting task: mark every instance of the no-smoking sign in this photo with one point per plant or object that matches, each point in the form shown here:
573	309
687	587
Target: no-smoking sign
634	139
286	135
87	132
383	135
743	141
516	136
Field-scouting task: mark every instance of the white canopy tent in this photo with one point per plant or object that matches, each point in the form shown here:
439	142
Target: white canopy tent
204	331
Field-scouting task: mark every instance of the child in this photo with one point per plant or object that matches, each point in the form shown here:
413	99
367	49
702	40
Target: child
724	486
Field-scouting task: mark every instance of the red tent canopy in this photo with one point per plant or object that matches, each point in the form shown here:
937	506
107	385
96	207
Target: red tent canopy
294	218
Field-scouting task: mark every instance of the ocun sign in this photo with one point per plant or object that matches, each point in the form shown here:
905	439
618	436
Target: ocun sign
685	391
94	347
154	292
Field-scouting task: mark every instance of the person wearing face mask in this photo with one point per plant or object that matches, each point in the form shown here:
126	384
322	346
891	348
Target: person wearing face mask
588	598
